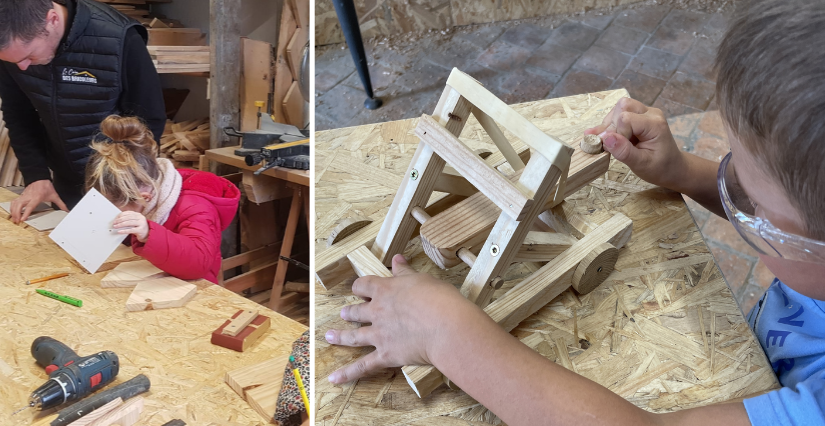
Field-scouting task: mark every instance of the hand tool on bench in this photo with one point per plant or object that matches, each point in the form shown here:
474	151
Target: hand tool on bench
128	389
71	376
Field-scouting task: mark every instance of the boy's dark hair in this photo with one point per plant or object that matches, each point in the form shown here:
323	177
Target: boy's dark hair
22	20
771	92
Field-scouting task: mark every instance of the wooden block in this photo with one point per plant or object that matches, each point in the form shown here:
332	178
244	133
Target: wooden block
261	189
129	274
296	287
332	265
238	323
98	413
260	384
183	155
490	182
125	415
160	293
247	336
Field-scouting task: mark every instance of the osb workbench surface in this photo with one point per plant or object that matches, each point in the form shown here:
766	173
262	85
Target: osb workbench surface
170	346
664	330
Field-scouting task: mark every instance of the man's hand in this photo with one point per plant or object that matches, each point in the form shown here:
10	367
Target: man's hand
132	223
640	137
407	312
34	194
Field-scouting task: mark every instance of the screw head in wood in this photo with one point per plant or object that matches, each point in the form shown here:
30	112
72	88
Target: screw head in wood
494	250
414	174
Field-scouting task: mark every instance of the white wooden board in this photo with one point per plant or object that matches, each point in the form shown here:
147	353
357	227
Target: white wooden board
86	232
46	220
42	207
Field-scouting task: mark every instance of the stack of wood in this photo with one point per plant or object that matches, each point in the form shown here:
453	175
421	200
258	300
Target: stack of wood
9	174
180	59
184	143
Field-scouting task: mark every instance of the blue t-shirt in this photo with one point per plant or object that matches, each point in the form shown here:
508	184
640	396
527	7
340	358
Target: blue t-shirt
791	329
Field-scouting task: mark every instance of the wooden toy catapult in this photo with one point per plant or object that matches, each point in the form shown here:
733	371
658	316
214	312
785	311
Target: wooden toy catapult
494	227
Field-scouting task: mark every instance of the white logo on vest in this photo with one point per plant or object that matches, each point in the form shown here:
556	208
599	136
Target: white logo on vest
75	76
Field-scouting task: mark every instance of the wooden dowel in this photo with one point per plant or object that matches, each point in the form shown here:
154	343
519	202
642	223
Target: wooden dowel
420	215
466	256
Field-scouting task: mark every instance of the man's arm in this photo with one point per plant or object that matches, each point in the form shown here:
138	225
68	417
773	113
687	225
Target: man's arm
142	93
26	133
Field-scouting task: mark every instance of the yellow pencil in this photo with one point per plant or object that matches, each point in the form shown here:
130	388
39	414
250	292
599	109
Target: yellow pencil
50	277
300	383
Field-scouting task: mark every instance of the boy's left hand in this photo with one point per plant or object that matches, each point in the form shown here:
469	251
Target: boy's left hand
132	223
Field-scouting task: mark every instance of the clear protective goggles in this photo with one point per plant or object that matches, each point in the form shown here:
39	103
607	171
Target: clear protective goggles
758	232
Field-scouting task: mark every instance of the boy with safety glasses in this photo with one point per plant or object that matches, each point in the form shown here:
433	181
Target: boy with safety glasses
771	186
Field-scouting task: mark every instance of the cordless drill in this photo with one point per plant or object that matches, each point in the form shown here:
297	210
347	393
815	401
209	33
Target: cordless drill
71	376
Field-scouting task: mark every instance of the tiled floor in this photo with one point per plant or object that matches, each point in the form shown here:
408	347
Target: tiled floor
662	56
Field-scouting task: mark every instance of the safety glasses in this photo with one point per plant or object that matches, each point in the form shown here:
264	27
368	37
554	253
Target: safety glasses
759	232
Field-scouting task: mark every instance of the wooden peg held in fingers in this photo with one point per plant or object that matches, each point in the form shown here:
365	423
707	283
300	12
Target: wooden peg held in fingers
591	144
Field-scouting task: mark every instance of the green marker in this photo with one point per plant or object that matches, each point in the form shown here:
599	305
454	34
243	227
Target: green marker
65	299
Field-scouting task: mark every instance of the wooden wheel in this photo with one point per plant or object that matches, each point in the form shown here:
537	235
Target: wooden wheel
594	268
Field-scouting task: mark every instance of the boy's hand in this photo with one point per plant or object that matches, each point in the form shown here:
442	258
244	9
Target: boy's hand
408	313
132	223
639	136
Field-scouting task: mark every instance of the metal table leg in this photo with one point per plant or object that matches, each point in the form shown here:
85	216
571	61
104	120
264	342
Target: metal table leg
352	32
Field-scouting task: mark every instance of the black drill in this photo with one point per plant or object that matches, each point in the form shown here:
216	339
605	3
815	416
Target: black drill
71	377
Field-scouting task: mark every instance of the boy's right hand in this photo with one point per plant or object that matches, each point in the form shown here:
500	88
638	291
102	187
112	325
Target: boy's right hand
639	136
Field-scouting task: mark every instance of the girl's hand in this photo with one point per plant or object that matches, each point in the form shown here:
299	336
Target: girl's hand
640	137
409	313
132	223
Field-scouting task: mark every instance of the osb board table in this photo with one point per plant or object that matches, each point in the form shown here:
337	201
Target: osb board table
170	346
663	331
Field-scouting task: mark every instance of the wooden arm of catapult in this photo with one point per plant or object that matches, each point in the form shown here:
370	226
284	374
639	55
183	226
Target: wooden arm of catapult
492	228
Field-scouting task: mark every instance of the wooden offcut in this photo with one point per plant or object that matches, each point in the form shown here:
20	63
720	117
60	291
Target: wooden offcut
160	293
259	384
129	274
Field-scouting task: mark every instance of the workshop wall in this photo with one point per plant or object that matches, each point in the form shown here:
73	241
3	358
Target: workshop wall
388	17
259	20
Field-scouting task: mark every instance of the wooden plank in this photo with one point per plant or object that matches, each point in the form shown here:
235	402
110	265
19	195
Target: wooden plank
475	93
251	376
551	279
365	263
293	106
295	51
255	80
270	250
300	9
477	214
543	246
286	247
176	37
490	182
257	275
160	293
489	125
239	323
420	178
98	413
282	73
502	245
261	189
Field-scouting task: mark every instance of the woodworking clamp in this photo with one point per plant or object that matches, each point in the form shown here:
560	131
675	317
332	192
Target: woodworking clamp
292	155
268	133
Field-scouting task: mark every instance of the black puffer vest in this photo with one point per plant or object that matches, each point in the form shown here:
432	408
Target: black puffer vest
80	87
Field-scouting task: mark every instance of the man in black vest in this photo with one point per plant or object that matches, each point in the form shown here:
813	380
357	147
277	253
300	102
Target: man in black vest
67	65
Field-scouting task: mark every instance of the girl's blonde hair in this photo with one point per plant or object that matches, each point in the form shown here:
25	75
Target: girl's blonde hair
124	163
